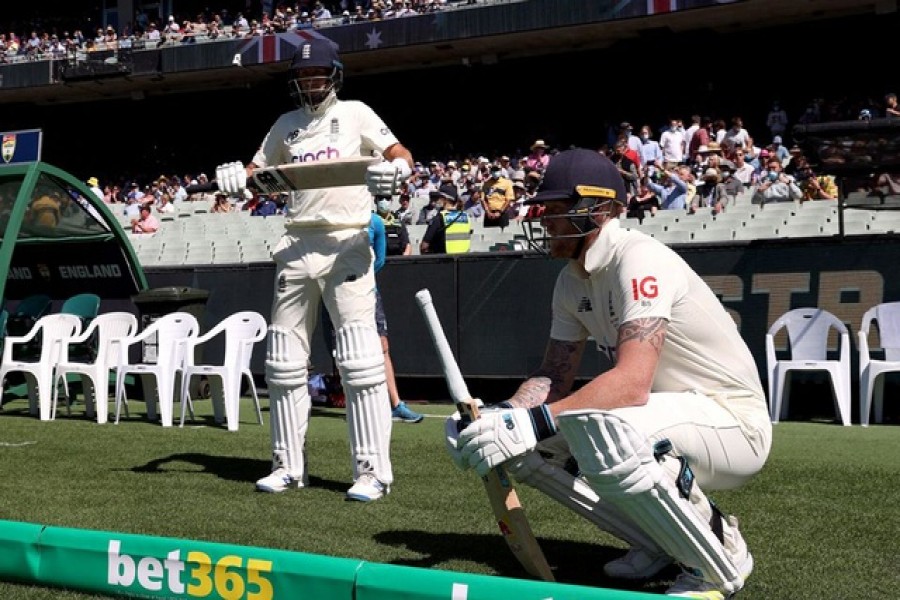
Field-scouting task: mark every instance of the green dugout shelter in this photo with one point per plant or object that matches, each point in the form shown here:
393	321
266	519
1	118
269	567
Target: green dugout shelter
59	239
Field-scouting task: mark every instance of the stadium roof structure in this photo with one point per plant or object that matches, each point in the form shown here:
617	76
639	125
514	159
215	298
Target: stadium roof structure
59	239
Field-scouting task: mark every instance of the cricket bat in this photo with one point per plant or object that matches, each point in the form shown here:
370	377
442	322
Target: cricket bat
311	175
504	501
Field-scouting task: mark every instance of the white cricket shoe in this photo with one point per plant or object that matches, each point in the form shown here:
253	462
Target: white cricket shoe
637	564
367	488
279	480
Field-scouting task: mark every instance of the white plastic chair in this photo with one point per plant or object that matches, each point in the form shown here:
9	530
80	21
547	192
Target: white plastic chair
871	371
109	329
53	329
807	331
170	333
241	331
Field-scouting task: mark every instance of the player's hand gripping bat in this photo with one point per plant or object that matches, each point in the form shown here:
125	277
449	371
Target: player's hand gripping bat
504	501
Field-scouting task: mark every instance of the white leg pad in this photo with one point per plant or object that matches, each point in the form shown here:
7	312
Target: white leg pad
361	363
573	493
289	402
619	465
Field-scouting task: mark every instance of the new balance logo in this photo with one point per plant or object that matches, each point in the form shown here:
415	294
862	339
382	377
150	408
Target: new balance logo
584	305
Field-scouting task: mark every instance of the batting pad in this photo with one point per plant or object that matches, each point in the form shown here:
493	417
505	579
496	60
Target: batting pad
573	493
289	402
361	363
619	465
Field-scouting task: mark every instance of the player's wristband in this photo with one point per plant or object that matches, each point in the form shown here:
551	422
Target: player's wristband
544	426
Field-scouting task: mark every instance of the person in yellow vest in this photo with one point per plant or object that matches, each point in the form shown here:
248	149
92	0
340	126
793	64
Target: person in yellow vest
451	233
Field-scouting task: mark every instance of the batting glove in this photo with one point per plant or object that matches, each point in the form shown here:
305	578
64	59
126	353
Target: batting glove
384	178
500	435
231	177
452	426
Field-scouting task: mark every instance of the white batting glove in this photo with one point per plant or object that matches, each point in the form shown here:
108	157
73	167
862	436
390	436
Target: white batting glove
500	435
452	426
384	178
231	177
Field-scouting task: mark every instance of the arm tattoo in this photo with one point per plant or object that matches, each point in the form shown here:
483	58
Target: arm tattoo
554	379
652	330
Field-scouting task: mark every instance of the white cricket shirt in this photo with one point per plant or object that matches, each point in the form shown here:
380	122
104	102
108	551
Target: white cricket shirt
633	276
344	129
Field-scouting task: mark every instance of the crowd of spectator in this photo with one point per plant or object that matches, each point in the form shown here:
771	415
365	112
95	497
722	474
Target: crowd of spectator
704	166
60	40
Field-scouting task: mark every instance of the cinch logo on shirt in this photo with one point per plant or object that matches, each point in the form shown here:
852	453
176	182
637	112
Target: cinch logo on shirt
645	288
326	154
584	305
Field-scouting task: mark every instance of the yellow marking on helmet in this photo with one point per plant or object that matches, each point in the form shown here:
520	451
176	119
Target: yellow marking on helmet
593	191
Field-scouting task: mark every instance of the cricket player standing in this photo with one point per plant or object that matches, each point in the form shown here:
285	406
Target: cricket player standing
324	255
681	409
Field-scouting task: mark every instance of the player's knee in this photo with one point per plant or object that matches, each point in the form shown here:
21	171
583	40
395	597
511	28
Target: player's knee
609	451
285	360
359	355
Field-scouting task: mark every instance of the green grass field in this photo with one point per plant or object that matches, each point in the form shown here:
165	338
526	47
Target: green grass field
822	519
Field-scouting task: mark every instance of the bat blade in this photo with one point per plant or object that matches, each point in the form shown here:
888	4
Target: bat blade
313	174
507	509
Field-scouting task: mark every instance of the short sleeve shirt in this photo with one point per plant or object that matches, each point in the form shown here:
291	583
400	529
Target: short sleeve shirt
343	129
632	276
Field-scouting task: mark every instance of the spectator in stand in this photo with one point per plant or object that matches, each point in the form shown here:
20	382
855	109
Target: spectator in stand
430	210
711	194
633	141
179	194
719	130
672	189
267	206
689	133
794	161
472	202
779	150
777	121
743	171
700	138
538	158
759	161
777	186
498	195
736	134
164	205
651	153
221	204
518	209
645	200
94	184
404	214
396	236
891	109
815	187
152	34
627	168
146	222
672	144
733	187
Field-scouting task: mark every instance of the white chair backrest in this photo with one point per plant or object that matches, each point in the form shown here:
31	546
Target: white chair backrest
807	330
112	326
241	330
171	331
55	328
887	317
